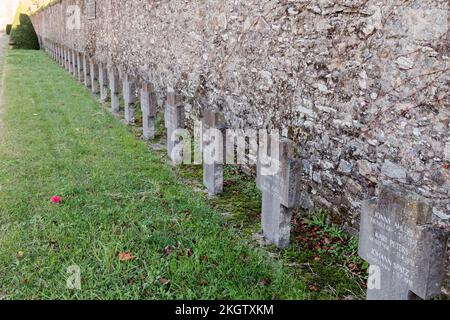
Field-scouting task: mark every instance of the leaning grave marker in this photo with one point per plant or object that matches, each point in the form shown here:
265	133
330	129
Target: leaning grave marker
279	176
213	126
148	108
174	120
406	252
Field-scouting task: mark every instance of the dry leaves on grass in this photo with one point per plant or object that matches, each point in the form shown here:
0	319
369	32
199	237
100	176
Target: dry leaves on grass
126	256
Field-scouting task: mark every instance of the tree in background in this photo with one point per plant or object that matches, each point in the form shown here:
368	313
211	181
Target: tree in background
23	35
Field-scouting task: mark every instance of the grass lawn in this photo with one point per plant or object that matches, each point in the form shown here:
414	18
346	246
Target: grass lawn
117	197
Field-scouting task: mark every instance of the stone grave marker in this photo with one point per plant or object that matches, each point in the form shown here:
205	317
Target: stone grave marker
103	81
59	55
213	126
74	63
63	61
129	97
174	119
70	63
94	77
67	59
64	57
279	176
87	72
114	84
148	107
406	252
79	66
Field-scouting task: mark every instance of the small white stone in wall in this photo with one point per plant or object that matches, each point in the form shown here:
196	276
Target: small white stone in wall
447	151
405	63
441	214
374	95
393	170
322	87
363	80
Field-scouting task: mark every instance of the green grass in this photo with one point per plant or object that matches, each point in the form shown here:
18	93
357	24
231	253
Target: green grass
117	197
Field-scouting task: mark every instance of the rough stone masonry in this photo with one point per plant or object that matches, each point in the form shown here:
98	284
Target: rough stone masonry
361	86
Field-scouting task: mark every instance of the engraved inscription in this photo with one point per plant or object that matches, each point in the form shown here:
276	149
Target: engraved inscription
91	9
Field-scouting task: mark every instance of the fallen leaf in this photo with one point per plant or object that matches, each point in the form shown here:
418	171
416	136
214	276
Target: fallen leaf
126	256
164	281
204	282
168	250
190	253
317	259
265	282
314	288
20	254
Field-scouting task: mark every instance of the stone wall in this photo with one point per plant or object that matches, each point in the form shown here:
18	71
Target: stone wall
360	85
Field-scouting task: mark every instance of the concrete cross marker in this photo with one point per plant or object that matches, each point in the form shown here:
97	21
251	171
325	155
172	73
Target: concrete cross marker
94	77
80	67
74	63
129	98
148	107
279	176
114	84
406	252
213	126
70	61
87	71
103	80
63	60
66	59
63	57
174	120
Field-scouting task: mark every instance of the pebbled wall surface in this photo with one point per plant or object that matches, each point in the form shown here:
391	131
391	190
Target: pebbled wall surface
361	85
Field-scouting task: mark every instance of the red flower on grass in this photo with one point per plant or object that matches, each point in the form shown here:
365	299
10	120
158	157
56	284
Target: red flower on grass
56	199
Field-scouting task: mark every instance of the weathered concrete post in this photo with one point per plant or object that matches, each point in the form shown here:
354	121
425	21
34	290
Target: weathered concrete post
80	67
213	126
174	120
129	97
148	107
58	54
74	64
407	254
279	174
63	57
66	59
94	76
103	80
87	72
114	84
69	60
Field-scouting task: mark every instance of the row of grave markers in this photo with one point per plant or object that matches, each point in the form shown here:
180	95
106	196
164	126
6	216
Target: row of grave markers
406	253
